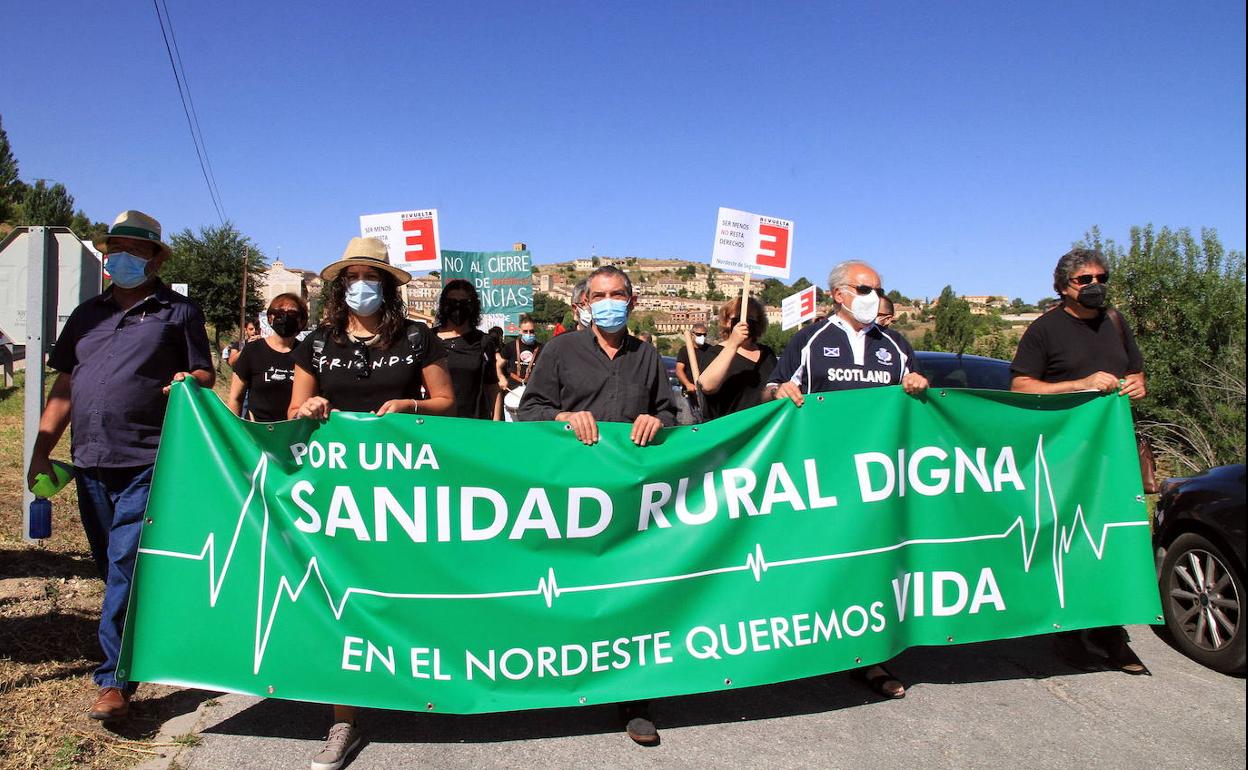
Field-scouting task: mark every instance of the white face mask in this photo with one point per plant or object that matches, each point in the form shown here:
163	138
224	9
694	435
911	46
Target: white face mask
864	307
585	316
699	339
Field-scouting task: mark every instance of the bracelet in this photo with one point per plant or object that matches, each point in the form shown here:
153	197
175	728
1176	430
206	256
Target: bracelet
415	406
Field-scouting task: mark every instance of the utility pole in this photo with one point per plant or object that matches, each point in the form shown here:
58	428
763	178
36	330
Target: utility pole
242	302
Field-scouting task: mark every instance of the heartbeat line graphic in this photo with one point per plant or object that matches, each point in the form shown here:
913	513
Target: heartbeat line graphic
548	588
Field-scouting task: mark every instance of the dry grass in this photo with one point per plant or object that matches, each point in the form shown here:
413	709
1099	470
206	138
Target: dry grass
50	597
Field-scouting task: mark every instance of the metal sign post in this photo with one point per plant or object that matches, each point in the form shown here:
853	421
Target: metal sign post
41	291
45	272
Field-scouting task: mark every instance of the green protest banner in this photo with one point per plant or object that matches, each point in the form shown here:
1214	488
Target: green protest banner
466	566
504	281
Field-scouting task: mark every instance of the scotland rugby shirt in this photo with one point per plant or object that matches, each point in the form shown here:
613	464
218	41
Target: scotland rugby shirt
832	355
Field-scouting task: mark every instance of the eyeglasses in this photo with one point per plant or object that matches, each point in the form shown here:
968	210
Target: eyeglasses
361	361
1084	280
863	290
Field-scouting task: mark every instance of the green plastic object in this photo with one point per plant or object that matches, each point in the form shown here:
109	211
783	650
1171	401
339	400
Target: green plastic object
47	487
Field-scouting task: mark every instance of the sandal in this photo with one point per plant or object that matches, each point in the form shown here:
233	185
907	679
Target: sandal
1123	658
1070	647
882	682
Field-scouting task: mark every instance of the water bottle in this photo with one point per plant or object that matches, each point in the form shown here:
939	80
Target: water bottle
40	519
41	508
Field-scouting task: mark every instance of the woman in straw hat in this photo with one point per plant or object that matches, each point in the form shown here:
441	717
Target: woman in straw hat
366	357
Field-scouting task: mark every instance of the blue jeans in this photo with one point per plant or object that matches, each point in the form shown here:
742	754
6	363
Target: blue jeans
112	502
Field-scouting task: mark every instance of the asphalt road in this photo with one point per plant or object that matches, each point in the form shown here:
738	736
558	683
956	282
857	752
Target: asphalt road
991	705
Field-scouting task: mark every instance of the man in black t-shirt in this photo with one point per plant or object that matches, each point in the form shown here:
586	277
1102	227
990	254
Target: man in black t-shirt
1080	344
701	351
1083	345
520	354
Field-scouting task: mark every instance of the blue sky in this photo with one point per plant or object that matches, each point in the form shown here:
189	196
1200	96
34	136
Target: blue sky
965	143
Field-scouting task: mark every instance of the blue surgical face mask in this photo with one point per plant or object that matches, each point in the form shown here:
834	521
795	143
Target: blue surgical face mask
610	315
364	297
528	339
127	270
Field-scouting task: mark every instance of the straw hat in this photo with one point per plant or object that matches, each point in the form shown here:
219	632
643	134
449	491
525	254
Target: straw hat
137	225
370	252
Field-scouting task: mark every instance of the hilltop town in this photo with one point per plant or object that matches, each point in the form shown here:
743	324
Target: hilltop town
672	293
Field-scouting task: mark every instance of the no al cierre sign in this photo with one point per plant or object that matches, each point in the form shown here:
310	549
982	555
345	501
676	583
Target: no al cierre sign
465	566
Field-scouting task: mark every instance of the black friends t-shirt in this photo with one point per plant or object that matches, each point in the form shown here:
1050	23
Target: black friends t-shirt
269	375
355	377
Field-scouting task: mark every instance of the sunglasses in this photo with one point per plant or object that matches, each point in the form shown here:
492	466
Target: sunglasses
863	290
361	360
1084	280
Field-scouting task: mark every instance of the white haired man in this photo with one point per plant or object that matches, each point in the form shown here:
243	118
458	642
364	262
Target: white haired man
844	351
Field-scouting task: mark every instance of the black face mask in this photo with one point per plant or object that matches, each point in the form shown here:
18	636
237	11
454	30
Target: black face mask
1092	296
457	311
285	324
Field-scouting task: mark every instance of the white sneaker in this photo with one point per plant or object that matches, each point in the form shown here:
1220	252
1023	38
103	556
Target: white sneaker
344	737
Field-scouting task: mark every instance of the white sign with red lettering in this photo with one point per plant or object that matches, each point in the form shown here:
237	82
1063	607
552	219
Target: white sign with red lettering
797	308
752	243
411	237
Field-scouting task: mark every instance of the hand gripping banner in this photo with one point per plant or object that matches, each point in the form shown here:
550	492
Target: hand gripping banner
463	566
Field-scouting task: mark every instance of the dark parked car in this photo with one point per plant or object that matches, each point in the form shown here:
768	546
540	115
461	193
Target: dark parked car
1200	547
950	370
669	364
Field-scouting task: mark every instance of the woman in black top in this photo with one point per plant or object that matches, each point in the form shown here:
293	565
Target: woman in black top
471	354
740	366
367	357
265	371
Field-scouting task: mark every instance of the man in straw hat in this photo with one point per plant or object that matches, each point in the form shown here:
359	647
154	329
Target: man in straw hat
117	357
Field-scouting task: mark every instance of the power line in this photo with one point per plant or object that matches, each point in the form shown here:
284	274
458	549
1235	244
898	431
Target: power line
190	98
191	125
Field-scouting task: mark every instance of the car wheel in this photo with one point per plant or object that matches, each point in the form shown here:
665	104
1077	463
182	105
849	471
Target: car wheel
1202	593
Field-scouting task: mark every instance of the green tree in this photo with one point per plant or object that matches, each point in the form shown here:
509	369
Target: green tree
211	264
48	206
773	291
897	297
955	326
777	338
1184	297
11	191
996	344
85	229
642	322
548	309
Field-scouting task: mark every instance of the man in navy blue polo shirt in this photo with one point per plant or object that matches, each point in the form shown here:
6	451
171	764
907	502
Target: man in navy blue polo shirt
116	357
848	350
